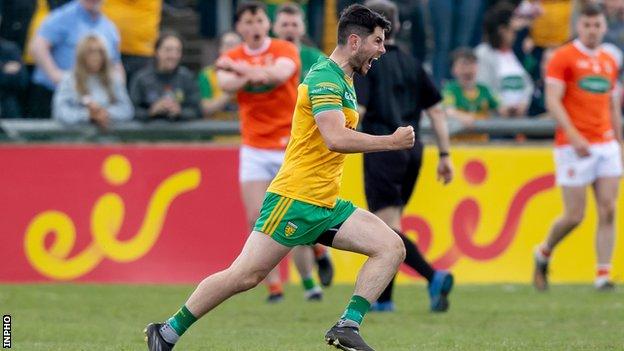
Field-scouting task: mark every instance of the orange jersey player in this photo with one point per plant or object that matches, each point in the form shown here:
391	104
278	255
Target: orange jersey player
582	95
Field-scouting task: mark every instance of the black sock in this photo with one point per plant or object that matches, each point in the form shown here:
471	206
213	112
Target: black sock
414	259
386	295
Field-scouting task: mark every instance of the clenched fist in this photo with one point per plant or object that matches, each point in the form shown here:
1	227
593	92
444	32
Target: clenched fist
403	138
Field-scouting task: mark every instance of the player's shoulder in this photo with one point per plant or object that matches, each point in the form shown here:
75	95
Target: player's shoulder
236	52
565	52
610	56
322	73
283	45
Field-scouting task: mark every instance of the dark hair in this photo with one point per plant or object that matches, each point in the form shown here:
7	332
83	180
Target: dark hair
464	53
360	20
289	8
591	10
251	6
166	34
387	9
498	16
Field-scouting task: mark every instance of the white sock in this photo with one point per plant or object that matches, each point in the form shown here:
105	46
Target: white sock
169	334
539	255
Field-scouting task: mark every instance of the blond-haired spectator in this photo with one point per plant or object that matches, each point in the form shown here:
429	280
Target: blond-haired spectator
54	46
92	91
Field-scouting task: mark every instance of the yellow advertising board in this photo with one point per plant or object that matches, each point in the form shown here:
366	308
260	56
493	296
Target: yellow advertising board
486	223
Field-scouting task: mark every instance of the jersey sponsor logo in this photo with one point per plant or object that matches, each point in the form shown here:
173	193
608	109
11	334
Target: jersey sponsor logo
595	84
350	97
512	83
583	64
328	85
290	229
318	89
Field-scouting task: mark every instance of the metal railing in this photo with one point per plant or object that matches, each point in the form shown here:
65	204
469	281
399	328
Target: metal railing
36	130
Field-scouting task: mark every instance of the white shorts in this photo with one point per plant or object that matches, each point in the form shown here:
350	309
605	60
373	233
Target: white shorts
604	161
259	164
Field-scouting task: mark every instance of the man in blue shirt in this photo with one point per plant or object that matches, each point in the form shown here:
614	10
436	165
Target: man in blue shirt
54	46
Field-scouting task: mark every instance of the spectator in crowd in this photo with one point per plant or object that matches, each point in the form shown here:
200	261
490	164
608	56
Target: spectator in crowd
214	101
538	100
615	17
13	79
54	46
138	24
92	91
464	98
550	27
22	17
499	69
16	16
21	21
164	89
454	23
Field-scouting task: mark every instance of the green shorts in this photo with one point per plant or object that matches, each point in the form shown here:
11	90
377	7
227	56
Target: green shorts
292	222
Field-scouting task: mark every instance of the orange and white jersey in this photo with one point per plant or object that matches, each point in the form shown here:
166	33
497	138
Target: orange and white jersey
590	79
266	111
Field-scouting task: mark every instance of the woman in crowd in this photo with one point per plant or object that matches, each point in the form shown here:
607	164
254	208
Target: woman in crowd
164	89
92	92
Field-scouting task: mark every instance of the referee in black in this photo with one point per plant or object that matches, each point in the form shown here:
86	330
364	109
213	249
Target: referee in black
394	93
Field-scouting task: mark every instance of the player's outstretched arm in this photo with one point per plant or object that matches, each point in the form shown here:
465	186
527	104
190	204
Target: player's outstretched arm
338	138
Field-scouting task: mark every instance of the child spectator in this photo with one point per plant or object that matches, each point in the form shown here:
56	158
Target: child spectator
465	99
92	91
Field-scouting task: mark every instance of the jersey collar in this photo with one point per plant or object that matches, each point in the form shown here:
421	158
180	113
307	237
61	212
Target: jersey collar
584	49
255	52
339	70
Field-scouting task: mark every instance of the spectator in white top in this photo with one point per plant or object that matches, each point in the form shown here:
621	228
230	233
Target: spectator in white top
499	68
93	91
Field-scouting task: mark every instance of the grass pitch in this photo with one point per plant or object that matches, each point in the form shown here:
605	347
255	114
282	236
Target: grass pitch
494	317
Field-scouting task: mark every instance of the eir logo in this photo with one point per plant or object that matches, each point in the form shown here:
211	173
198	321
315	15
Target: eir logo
6	331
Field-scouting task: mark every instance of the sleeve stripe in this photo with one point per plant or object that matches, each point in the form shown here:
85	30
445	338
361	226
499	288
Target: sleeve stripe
327	100
326	104
326	97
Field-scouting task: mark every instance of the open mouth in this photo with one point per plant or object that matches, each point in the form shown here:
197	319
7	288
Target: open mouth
370	61
257	37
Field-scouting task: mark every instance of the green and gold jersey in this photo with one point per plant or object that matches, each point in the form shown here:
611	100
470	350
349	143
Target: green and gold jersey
480	101
208	86
311	172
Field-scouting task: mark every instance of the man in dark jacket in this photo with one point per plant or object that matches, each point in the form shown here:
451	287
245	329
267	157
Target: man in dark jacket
394	93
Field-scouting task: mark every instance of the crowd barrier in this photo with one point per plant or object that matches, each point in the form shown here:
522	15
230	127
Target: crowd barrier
24	130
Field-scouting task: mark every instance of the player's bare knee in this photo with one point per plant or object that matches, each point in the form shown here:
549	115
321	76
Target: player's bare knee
250	280
395	249
574	218
606	212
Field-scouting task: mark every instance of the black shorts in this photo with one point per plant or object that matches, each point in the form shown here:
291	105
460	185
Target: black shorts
390	177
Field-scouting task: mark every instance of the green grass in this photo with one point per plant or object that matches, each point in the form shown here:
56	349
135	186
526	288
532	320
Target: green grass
495	317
